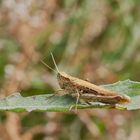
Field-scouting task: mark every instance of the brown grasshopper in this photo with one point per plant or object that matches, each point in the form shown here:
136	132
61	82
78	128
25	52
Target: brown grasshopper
87	91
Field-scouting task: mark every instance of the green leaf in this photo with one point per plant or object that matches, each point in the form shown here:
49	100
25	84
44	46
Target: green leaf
51	102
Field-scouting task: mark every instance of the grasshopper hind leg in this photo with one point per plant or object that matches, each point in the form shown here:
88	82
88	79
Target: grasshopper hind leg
77	100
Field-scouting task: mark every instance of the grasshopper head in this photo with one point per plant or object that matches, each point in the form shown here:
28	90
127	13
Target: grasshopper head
64	81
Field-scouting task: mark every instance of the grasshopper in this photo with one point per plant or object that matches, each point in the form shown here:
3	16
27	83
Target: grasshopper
87	91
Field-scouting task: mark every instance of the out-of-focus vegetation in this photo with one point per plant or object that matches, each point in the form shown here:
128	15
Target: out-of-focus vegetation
90	39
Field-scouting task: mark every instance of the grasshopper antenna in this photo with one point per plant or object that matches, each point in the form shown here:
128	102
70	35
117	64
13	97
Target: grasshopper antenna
54	62
48	66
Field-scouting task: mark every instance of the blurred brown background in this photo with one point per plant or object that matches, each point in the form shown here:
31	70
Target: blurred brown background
96	40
